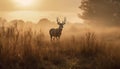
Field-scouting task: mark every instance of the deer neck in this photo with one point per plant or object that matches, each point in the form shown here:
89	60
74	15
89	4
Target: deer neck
60	29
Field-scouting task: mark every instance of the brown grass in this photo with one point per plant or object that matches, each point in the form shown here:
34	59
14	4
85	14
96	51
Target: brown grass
30	50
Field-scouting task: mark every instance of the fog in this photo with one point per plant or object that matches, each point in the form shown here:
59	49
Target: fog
70	30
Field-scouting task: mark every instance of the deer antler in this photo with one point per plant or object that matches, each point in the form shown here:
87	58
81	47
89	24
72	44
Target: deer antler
64	20
58	20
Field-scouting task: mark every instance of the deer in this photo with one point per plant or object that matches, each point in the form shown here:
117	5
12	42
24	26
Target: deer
55	33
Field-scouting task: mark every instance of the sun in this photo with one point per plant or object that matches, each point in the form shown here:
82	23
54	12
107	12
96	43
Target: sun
24	3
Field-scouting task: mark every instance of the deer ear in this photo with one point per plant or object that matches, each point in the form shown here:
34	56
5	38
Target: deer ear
63	22
58	21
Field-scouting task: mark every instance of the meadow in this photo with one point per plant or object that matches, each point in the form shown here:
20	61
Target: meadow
28	46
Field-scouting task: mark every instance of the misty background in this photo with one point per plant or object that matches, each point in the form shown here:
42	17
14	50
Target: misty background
101	17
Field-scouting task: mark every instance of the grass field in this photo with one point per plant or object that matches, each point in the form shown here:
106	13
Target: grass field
30	49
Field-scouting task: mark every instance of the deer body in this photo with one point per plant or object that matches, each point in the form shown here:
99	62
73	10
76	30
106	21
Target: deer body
55	33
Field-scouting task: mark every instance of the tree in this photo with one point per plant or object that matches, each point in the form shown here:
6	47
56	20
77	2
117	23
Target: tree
105	10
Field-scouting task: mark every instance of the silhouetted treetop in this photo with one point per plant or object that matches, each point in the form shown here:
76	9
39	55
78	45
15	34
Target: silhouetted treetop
106	10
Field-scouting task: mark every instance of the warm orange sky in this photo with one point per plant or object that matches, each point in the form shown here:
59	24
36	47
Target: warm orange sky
35	9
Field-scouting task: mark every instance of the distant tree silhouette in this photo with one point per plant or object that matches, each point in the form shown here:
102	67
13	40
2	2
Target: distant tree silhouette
106	10
2	20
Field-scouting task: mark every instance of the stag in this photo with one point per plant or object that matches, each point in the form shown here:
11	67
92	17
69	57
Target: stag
55	33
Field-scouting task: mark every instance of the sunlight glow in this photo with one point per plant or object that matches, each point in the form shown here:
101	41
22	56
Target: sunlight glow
24	3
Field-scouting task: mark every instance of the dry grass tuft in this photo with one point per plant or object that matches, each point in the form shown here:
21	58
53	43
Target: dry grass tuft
29	50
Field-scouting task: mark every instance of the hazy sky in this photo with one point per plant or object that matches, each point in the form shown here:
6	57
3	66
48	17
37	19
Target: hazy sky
40	8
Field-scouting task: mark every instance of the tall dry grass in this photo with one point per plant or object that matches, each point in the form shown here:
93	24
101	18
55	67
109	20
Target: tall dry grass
30	50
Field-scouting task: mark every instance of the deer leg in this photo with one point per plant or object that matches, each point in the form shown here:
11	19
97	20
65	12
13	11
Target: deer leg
54	38
51	38
58	38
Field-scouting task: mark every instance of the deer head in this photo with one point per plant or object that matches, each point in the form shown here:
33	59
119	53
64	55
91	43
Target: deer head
61	24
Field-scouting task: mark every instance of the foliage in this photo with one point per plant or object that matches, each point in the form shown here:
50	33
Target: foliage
101	10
